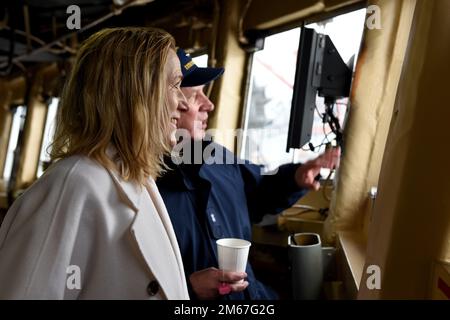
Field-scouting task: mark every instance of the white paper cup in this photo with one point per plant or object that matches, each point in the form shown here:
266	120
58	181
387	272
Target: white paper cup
233	254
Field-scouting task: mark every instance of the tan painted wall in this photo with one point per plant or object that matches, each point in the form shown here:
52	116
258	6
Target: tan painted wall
411	222
268	14
33	133
372	100
263	14
228	89
45	82
11	92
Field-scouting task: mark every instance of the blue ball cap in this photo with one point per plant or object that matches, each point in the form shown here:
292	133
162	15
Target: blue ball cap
192	74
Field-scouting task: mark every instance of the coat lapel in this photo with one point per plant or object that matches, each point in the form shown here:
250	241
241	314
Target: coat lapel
164	215
149	209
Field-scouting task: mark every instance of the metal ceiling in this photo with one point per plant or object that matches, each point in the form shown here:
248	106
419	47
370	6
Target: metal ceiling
34	31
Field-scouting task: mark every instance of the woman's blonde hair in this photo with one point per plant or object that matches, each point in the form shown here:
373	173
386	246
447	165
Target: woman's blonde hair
116	95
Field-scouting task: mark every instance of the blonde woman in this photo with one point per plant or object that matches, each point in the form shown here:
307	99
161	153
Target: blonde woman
94	226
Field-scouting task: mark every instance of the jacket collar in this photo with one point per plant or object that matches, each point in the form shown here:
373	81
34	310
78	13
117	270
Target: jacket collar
129	192
132	194
175	177
184	175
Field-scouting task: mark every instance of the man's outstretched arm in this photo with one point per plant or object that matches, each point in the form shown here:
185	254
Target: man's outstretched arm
271	194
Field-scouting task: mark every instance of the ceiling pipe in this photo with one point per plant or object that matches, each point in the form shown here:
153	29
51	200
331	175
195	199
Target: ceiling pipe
115	11
26	20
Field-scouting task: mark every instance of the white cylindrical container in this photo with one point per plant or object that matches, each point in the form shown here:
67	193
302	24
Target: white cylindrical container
233	254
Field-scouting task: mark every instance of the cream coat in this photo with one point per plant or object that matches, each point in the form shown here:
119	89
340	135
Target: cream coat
80	215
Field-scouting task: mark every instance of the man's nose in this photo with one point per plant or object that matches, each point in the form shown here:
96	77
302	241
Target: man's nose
207	105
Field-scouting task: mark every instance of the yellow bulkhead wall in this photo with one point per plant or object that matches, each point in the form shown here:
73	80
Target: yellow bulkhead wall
410	227
373	95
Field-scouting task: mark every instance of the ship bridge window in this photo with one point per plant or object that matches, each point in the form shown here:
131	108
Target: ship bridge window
47	139
201	60
266	120
18	121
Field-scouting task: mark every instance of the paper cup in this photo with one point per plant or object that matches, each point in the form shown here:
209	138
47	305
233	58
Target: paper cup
233	254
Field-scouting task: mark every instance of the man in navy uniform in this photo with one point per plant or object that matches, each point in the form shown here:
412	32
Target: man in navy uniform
208	200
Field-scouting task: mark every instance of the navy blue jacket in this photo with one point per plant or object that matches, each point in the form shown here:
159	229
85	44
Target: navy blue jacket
207	202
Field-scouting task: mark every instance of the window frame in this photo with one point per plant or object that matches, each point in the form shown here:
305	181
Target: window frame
315	18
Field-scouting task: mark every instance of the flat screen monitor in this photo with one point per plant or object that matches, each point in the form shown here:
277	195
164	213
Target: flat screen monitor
320	70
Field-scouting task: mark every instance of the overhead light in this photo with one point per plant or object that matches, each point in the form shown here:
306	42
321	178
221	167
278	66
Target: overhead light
119	3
